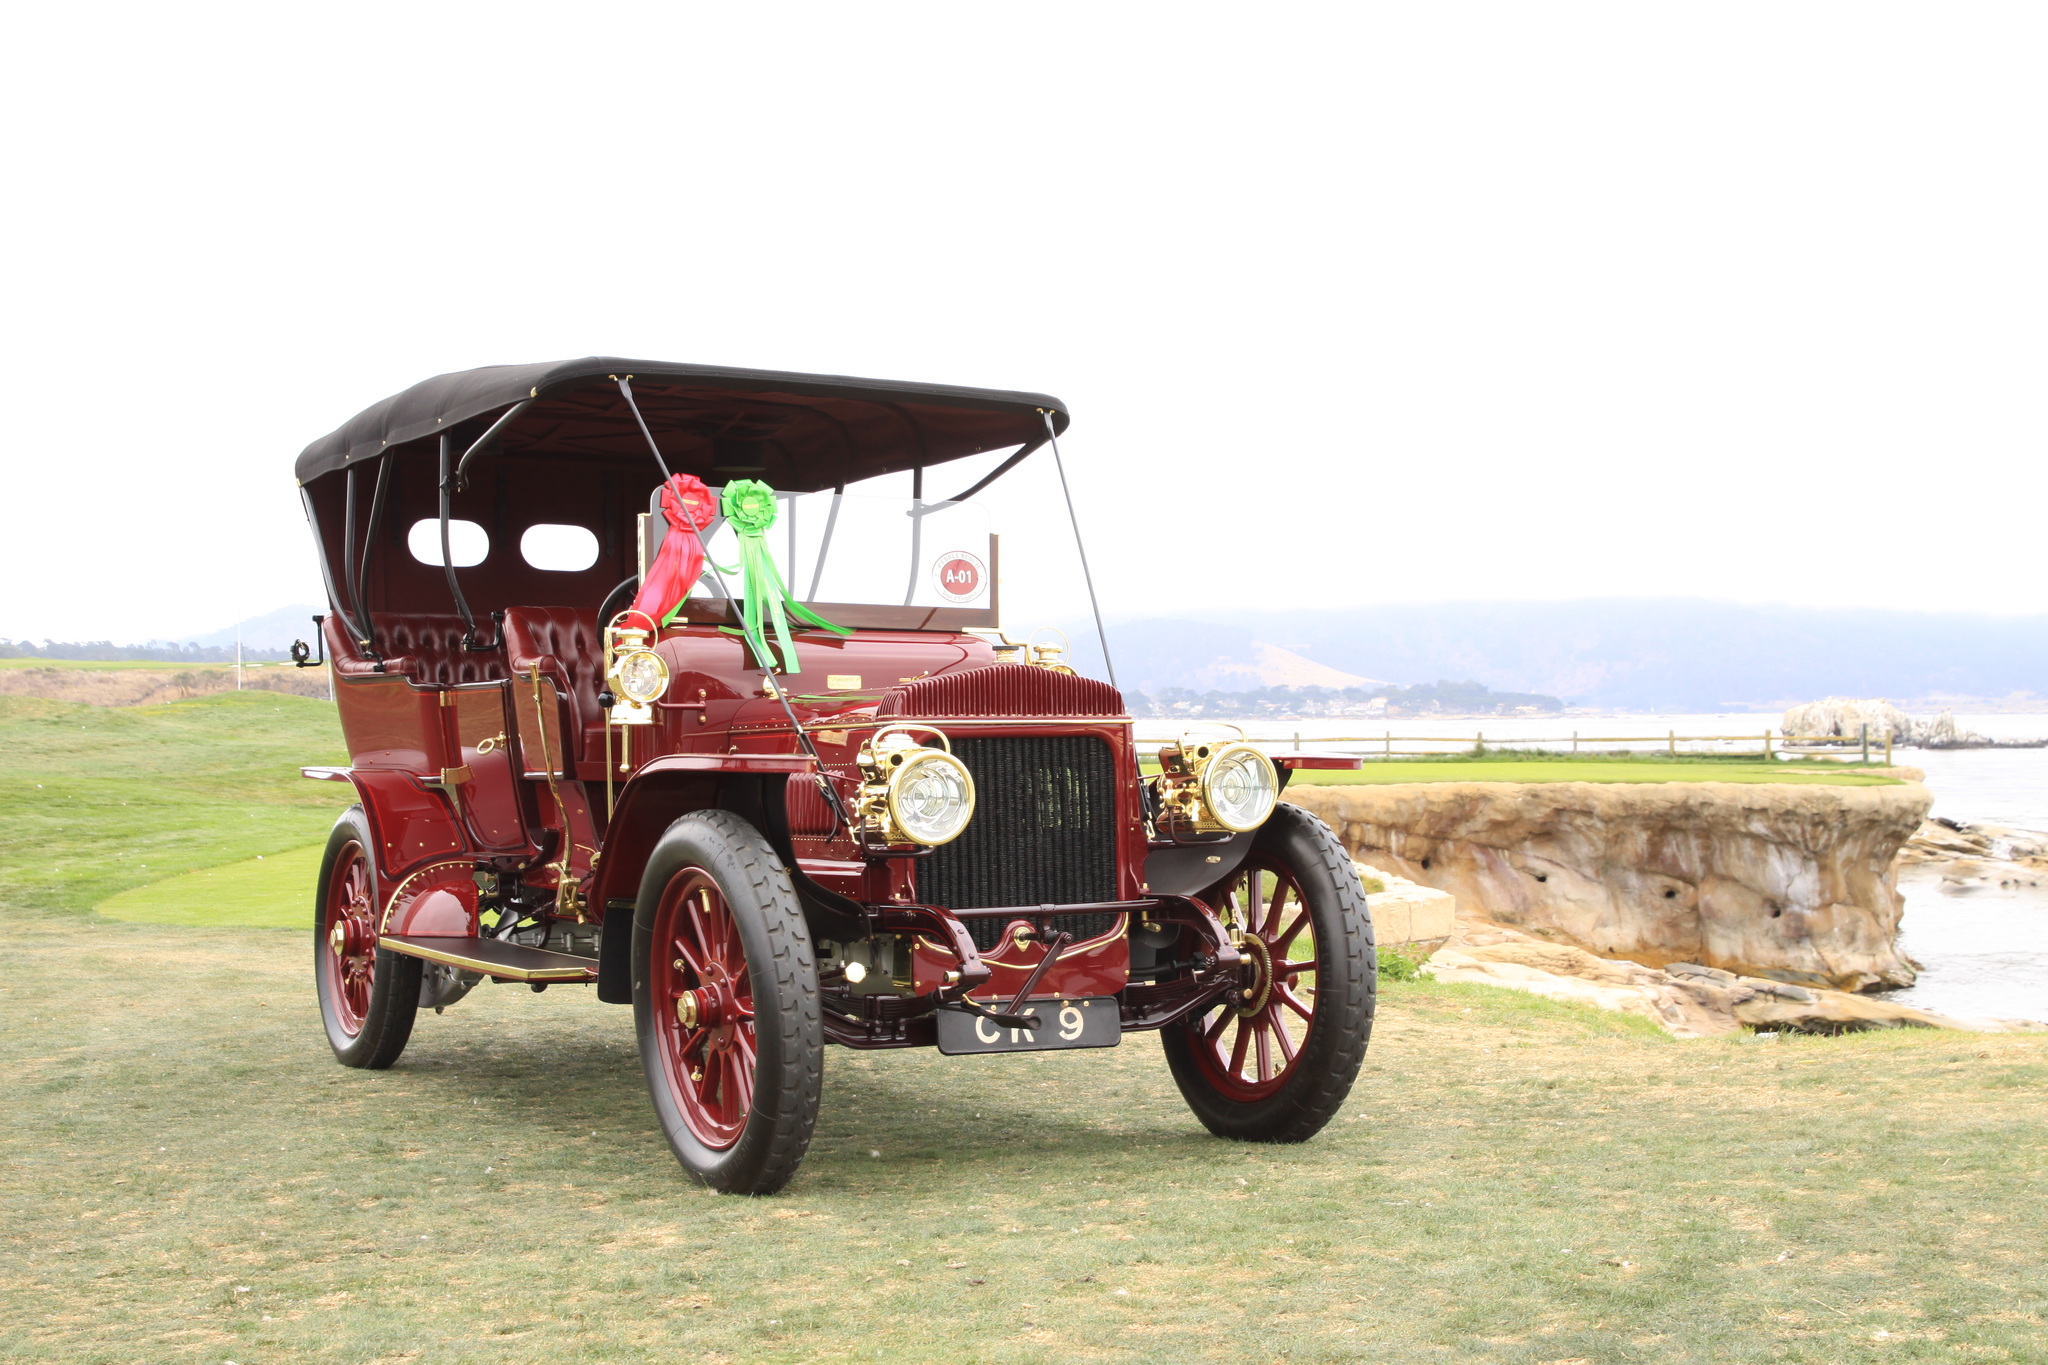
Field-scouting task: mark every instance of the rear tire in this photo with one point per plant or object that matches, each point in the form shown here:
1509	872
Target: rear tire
1278	1067
368	996
725	1002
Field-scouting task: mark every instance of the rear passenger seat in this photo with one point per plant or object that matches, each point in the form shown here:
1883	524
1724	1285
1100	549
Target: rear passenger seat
422	648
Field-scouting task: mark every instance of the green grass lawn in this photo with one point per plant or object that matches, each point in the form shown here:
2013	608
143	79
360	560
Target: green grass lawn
98	800
190	1177
268	891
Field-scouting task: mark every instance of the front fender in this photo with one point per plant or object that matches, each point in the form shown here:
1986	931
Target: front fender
749	785
664	790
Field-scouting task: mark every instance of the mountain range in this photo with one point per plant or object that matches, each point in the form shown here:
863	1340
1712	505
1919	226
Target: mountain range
1642	654
1675	654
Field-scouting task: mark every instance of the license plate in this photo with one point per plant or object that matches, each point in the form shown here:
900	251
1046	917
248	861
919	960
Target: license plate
1090	1022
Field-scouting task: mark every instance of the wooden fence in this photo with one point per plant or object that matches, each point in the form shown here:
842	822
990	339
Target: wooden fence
1389	745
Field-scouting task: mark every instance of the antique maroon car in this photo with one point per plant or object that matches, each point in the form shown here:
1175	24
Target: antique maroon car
782	782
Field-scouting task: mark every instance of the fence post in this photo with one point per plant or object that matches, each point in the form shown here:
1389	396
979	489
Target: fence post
1575	741
1673	743
1767	744
1390	744
1297	740
1866	741
1887	746
1479	744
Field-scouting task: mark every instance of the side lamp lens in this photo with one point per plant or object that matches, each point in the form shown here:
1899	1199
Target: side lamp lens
642	675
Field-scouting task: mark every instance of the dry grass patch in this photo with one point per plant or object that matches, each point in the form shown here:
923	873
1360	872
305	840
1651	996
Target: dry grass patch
100	686
1517	1181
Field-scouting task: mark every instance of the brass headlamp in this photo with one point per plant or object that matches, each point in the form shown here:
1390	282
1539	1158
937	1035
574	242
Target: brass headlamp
1208	786
634	674
911	793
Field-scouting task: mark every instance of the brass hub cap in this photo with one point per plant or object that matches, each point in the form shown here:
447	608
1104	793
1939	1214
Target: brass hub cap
1259	959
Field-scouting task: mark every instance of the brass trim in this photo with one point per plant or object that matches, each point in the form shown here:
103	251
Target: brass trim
472	964
949	722
384	920
568	900
1078	948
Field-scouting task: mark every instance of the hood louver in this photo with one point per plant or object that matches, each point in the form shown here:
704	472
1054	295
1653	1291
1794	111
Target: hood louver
1003	690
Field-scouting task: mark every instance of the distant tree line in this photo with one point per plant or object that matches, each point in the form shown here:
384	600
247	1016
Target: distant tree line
156	651
1442	697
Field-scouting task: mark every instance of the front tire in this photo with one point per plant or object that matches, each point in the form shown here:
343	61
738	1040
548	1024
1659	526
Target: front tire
1277	1067
725	1002
368	996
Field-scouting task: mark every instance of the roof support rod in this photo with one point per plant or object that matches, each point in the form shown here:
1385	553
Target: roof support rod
824	546
478	446
626	388
1053	438
348	543
469	640
341	604
916	530
1005	467
356	567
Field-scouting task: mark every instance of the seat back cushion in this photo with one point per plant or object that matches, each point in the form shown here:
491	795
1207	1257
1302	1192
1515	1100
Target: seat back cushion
568	635
422	647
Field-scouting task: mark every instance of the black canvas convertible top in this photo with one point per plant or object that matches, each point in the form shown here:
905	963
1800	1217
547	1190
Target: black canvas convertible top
799	432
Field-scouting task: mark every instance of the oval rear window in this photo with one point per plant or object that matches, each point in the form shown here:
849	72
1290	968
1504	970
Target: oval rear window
559	548
468	543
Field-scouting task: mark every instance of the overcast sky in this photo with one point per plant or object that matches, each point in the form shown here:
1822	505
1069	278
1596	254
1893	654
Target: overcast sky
1350	303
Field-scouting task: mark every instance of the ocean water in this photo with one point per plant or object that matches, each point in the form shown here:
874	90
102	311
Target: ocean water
1984	951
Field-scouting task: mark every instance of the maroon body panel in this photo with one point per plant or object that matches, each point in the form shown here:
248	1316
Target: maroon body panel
483	744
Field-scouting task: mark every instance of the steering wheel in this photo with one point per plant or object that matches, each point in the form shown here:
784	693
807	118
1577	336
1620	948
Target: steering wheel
616	601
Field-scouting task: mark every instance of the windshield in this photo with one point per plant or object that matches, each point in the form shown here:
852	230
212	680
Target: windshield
848	548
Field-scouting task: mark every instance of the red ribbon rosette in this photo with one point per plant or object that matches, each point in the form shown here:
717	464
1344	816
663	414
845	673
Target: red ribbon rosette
680	560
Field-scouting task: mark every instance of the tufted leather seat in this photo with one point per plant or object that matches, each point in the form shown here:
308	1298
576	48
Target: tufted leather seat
422	648
565	644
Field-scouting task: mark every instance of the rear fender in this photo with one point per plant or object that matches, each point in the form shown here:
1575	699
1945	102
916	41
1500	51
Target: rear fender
411	825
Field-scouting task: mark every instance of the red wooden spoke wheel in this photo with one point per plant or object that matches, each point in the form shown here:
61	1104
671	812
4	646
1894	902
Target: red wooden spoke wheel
705	1004
368	997
1250	1043
350	963
725	1003
1273	1059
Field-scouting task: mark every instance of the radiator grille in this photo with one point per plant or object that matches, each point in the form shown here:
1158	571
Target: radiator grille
1043	833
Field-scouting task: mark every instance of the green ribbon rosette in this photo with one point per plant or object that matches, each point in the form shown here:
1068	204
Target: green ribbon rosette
749	507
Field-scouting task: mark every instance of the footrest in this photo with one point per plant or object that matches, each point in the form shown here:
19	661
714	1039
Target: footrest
507	961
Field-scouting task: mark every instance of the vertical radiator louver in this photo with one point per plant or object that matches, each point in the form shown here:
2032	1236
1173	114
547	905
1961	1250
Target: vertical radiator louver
1043	833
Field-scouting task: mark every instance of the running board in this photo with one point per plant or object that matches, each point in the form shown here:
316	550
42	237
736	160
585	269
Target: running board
506	961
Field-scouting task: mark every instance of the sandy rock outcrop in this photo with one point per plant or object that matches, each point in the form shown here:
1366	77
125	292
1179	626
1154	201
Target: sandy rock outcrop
1688	1000
1848	717
1557	971
1787	882
1973	856
1406	914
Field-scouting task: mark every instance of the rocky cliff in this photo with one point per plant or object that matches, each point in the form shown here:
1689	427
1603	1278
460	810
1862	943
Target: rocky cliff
1788	882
